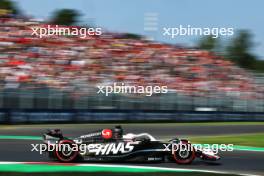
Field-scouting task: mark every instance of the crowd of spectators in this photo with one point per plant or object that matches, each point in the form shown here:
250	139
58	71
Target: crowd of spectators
77	65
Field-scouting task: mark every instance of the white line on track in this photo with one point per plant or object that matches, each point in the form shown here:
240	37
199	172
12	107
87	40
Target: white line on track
136	167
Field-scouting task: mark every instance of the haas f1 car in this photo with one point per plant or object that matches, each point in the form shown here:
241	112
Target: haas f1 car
109	145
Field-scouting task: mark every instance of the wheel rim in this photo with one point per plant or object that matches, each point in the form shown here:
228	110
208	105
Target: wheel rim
185	156
66	155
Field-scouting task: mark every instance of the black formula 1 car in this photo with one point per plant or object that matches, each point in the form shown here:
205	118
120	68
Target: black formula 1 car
109	145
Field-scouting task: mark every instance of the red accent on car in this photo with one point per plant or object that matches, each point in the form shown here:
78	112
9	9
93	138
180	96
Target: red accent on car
107	133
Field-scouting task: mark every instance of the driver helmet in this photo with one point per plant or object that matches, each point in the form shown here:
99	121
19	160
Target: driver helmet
118	132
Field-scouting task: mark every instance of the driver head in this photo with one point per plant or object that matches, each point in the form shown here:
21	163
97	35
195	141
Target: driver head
118	132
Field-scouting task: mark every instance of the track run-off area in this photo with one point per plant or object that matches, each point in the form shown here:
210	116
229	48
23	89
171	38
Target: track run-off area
15	149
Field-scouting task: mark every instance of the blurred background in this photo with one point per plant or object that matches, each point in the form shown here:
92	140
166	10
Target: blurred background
61	73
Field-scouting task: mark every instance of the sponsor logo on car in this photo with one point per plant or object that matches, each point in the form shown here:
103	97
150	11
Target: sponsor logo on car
110	148
91	135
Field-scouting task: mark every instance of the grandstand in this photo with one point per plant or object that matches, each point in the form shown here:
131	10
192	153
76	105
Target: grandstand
64	72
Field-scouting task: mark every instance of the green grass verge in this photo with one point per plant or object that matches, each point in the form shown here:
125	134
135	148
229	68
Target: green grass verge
20	137
110	174
59	170
254	140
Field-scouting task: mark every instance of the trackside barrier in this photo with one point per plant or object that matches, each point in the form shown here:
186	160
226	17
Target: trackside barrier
93	115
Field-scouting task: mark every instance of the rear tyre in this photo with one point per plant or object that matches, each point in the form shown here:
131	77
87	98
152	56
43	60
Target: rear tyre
184	153
67	151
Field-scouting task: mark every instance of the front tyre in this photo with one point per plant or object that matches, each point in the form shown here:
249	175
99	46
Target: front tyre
67	151
183	153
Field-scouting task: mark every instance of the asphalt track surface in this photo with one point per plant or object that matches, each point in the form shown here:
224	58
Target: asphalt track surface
242	162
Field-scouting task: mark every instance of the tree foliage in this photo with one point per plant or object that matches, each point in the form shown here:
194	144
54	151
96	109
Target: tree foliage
208	43
8	5
238	50
65	17
132	36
